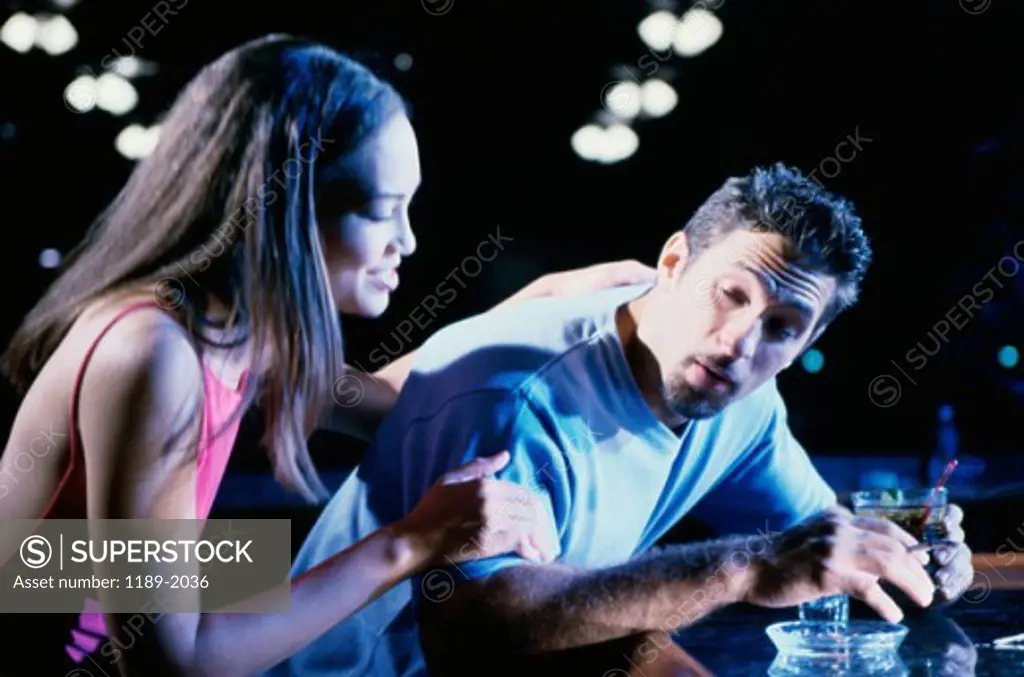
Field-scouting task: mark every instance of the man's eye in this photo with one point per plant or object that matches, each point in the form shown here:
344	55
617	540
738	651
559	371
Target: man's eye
734	294
782	329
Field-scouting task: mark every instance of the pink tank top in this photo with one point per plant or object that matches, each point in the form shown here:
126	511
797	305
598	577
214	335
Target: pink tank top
217	435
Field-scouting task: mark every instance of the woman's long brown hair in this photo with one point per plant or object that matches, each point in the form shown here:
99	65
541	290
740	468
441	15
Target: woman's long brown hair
225	206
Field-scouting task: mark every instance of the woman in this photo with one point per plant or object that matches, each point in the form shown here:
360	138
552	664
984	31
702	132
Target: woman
277	197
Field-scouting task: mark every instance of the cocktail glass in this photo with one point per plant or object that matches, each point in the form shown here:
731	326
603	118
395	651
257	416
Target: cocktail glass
919	512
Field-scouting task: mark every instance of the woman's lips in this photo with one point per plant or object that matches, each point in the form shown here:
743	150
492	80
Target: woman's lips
386	280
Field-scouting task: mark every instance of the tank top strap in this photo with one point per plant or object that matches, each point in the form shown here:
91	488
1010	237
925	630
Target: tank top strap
73	446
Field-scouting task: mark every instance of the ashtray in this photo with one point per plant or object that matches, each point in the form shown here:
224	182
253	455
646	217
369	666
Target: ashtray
824	648
824	638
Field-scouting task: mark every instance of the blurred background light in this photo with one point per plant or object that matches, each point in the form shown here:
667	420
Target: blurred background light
55	35
657	98
136	142
651	97
587	141
813	361
133	67
49	258
115	94
1008	357
606	145
623	99
657	30
403	61
19	32
698	29
80	94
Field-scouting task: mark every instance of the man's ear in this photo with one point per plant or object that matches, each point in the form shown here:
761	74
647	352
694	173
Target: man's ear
818	331
674	255
815	335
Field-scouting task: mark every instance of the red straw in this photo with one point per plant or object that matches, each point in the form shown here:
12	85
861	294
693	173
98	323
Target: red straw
950	467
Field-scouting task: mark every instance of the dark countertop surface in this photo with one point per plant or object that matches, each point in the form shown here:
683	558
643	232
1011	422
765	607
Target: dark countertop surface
955	641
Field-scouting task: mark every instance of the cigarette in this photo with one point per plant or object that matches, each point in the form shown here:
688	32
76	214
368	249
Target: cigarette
925	547
1012	639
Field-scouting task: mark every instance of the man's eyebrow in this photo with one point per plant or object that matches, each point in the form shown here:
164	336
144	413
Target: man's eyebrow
784	293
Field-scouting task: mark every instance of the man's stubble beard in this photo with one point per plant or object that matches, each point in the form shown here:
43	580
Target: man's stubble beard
690	402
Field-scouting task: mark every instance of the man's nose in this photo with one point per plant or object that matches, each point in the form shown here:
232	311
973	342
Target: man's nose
740	336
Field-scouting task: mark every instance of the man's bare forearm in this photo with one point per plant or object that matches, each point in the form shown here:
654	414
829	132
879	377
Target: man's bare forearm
545	608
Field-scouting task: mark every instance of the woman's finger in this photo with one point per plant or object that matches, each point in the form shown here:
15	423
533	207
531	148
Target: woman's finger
630	272
493	542
509	499
478	468
545	542
527	545
529	550
513	508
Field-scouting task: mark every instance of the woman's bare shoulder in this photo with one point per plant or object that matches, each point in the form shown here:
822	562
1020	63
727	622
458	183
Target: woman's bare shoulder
147	347
142	369
145	338
140	402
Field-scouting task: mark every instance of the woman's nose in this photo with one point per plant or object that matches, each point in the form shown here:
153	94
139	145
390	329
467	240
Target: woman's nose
406	240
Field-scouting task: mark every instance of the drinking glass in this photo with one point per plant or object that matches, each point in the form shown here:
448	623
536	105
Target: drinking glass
829	609
905	507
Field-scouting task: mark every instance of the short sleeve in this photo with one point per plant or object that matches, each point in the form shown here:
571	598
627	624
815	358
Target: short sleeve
536	465
484	426
773	485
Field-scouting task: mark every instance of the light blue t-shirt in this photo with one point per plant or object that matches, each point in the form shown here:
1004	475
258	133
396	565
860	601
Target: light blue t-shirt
548	381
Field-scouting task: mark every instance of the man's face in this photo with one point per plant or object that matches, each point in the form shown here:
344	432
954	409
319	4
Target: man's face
722	323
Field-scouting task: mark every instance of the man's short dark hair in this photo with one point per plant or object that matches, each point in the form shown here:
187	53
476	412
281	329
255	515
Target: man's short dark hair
824	231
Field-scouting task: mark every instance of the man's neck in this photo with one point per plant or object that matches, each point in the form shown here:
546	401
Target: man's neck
642	364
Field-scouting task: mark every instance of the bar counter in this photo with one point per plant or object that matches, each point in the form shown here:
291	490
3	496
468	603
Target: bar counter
955	641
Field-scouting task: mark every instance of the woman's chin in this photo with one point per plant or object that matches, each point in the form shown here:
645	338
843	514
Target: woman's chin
372	304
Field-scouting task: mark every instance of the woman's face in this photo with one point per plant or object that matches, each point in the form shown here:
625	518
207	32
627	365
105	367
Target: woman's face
363	212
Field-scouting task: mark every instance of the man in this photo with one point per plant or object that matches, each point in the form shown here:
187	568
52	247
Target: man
626	410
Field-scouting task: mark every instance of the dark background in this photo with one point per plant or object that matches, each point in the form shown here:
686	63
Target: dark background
499	87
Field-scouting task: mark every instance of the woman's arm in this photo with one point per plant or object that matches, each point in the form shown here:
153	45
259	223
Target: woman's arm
138	414
377	392
361	400
584	280
364	399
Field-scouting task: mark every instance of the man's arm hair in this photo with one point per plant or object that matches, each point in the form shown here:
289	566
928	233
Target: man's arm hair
531	609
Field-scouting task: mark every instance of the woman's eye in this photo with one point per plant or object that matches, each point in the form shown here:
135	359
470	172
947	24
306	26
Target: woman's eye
380	210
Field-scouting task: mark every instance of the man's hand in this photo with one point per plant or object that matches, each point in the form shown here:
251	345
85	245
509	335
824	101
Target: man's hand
837	552
956	572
